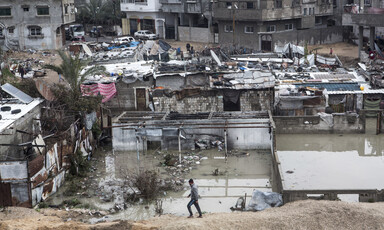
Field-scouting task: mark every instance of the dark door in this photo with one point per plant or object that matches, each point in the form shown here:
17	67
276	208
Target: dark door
133	25
266	42
5	194
140	99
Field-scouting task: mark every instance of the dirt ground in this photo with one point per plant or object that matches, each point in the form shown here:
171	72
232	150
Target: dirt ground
347	53
297	215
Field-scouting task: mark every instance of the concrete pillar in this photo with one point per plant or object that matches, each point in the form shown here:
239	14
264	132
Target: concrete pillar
361	30
190	23
176	19
372	37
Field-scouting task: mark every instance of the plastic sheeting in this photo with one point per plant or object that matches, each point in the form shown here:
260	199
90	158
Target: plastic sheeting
263	200
285	49
231	95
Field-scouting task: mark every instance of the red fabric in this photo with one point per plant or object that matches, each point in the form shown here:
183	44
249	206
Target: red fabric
108	91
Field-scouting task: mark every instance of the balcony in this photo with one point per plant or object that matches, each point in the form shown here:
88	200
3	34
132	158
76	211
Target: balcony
353	15
147	6
240	14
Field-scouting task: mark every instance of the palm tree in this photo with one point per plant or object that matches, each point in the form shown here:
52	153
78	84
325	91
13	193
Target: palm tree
72	70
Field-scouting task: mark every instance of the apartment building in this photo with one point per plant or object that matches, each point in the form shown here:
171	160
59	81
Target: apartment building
142	15
192	19
34	24
262	24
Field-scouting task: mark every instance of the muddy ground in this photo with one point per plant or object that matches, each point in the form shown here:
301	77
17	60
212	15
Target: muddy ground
297	215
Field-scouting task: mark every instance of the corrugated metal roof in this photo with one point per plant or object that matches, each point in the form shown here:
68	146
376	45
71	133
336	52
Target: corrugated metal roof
15	92
333	86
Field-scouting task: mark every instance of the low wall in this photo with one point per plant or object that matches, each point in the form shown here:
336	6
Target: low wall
244	135
314	36
314	124
195	34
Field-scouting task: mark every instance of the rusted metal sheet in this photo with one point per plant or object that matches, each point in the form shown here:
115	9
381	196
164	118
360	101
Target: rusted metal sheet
47	189
36	165
39	177
5	194
13	170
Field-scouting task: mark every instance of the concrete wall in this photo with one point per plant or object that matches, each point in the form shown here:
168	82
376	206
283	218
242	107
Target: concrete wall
311	36
314	124
317	35
20	20
238	138
189	104
251	100
195	34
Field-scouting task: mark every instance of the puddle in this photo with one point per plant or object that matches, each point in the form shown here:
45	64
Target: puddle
325	162
238	175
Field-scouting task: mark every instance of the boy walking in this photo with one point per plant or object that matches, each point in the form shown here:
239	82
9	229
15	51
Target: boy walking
194	199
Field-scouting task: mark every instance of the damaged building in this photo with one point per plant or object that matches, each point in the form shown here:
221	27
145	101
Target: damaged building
260	25
33	163
34	25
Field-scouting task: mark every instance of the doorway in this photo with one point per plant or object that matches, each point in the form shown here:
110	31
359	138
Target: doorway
141	99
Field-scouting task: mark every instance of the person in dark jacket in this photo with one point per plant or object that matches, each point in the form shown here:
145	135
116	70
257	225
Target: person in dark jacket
194	199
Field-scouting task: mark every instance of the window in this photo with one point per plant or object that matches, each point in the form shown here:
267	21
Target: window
141	2
248	29
11	30
66	7
278	3
42	10
271	28
289	26
310	11
229	5
318	20
367	2
250	5
1	32
305	11
5	11
228	28
25	8
35	31
58	31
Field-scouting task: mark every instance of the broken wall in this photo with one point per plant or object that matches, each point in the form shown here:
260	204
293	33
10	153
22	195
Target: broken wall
190	104
254	137
338	123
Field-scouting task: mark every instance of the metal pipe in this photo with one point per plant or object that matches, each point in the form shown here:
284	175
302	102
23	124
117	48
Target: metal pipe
179	146
225	143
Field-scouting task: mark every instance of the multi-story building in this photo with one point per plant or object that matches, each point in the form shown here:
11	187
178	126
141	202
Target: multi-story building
365	15
34	24
143	15
192	19
262	24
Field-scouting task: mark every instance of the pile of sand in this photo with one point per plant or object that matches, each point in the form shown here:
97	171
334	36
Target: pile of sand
296	215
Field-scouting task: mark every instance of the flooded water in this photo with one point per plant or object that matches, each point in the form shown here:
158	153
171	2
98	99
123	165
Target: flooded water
332	162
238	175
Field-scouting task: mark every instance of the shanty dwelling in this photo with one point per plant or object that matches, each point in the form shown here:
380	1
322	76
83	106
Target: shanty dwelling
19	118
32	165
327	107
167	131
191	89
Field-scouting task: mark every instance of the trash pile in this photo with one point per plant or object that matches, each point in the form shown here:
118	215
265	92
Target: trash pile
263	200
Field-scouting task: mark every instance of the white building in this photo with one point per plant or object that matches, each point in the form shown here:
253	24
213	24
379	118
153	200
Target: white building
143	15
